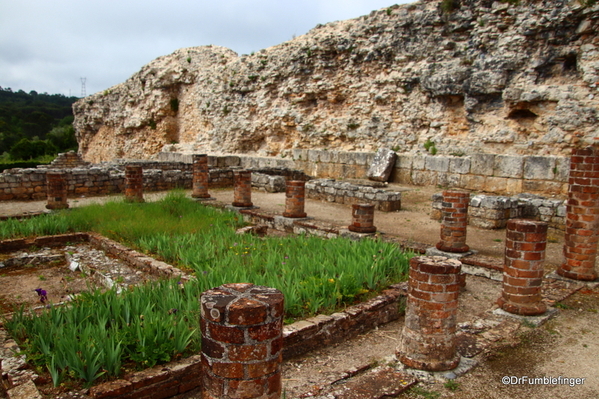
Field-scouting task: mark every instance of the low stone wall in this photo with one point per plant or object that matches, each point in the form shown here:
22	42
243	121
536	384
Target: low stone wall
348	193
493	212
501	174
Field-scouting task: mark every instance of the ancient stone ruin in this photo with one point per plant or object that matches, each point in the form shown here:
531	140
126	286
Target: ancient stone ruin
488	77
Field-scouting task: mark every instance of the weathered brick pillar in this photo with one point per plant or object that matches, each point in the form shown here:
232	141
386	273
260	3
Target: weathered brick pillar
525	245
295	199
428	339
200	176
242	341
362	218
454	224
56	187
134	183
242	195
582	216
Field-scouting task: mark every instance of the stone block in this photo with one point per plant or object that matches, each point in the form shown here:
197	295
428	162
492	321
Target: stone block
382	165
539	168
424	177
436	163
514	186
418	162
450	180
495	185
508	166
562	166
363	158
460	165
403	161
299	155
28	390
482	164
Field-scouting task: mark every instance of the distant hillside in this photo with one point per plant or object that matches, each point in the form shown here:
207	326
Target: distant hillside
504	77
33	116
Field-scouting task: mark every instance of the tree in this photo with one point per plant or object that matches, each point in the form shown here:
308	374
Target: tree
29	149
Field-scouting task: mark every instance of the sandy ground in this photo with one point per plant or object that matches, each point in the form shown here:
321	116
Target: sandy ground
566	346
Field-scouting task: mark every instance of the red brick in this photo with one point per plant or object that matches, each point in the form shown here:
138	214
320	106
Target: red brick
245	353
266	331
227	369
261	369
231	335
246	389
245	311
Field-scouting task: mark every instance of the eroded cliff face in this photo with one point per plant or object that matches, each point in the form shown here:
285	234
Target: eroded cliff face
470	76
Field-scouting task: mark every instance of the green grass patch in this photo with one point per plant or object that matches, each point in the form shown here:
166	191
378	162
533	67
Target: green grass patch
102	331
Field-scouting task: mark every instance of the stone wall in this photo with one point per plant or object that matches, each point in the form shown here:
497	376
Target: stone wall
499	174
493	212
343	192
503	77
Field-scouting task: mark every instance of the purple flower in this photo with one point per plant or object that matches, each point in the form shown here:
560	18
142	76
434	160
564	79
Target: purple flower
43	295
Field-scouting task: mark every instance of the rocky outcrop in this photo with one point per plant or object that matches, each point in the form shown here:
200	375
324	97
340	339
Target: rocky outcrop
461	76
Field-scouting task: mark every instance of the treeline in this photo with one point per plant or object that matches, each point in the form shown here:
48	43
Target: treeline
34	125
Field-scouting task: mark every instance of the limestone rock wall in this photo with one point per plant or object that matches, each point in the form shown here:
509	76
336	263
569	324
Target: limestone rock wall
461	76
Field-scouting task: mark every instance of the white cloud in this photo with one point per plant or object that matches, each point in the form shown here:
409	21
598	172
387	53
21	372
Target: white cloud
48	46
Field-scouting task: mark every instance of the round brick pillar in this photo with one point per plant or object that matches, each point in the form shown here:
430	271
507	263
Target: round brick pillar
294	199
242	195
134	183
242	341
428	339
56	187
200	176
525	245
454	222
582	216
362	218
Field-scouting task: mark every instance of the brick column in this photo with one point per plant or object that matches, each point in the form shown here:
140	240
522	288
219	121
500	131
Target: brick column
56	187
134	183
294	199
200	176
428	338
582	216
455	222
362	218
242	196
242	341
525	244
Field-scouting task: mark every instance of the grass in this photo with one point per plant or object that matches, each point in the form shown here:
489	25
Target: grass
314	274
101	331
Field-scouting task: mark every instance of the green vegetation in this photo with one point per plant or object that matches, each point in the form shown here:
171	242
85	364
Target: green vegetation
452	385
430	147
102	332
449	6
33	125
314	274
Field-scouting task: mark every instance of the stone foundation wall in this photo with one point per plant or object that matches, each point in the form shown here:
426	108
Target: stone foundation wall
493	212
348	193
500	174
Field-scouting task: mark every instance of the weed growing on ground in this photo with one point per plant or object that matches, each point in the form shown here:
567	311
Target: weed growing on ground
452	385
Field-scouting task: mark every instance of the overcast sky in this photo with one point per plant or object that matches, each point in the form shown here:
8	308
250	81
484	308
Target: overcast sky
49	45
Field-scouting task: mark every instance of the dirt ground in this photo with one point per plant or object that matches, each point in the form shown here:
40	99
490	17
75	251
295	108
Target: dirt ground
565	346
